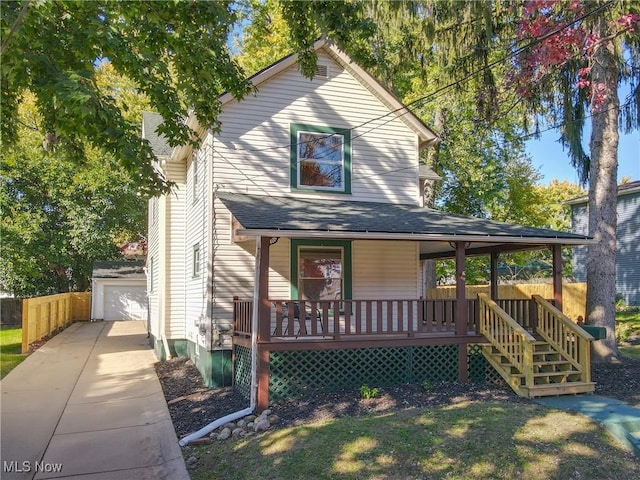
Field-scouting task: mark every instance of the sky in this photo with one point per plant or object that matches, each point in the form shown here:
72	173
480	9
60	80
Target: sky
553	163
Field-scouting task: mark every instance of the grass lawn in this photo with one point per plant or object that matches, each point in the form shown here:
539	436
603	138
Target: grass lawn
10	347
479	440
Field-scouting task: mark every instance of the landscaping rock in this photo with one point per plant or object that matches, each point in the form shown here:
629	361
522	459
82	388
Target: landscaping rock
262	424
274	419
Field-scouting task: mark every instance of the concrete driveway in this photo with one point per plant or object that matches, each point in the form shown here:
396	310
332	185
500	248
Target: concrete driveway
88	405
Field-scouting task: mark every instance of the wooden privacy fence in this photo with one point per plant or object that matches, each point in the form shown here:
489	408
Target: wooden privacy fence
573	294
42	316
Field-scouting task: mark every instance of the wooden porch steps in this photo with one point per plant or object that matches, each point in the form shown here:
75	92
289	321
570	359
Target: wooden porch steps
551	373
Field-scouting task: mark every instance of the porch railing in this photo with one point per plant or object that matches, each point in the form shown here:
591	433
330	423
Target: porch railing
508	336
343	318
242	312
568	338
374	317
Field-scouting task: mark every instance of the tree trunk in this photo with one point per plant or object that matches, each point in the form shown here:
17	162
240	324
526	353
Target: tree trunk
601	257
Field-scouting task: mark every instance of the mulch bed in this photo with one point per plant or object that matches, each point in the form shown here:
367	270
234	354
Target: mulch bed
193	406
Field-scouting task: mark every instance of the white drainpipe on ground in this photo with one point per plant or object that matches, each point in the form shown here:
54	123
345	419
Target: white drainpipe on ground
254	363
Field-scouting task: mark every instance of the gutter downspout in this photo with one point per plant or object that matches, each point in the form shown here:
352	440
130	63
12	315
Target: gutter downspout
254	364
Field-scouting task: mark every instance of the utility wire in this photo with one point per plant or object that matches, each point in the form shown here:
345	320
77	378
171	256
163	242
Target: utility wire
442	90
429	97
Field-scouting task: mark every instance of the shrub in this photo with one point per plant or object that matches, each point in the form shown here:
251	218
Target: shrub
366	392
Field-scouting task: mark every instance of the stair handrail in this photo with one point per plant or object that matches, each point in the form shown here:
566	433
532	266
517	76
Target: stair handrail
573	342
508	336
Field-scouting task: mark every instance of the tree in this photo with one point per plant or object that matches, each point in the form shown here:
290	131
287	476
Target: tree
266	37
554	197
174	52
63	204
565	57
582	52
59	216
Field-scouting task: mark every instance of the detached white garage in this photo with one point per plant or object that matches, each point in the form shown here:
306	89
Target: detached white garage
119	291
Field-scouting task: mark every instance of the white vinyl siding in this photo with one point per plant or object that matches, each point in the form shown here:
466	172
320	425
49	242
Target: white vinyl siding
166	257
174	229
385	270
234	267
153	249
251	155
252	149
195	283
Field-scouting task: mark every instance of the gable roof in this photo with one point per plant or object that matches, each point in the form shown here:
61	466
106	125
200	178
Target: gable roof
119	269
150	123
623	189
396	107
308	218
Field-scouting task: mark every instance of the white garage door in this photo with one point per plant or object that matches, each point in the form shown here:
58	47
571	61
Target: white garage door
125	303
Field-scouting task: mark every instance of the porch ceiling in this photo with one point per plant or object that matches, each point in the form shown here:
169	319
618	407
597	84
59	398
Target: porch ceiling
437	232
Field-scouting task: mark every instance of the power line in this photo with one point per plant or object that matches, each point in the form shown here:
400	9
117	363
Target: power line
405	109
431	96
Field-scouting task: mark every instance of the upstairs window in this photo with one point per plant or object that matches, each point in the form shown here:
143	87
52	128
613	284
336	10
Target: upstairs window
320	158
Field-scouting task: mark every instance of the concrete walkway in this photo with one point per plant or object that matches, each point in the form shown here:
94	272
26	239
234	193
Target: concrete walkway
619	418
88	405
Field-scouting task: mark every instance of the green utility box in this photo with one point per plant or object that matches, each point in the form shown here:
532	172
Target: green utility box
596	332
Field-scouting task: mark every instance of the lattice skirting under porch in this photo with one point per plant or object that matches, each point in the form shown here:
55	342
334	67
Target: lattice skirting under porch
295	374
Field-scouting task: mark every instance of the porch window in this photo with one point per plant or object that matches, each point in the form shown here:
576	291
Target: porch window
320	158
321	270
320	274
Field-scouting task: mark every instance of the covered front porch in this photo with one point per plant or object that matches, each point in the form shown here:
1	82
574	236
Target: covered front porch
463	328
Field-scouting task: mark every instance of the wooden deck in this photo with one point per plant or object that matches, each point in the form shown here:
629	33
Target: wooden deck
551	359
554	362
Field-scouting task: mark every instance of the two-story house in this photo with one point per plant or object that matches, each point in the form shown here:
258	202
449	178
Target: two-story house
289	255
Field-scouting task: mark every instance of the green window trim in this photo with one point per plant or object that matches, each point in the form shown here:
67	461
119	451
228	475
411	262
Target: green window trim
293	157
345	245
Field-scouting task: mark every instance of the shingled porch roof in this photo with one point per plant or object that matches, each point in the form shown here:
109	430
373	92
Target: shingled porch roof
437	232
